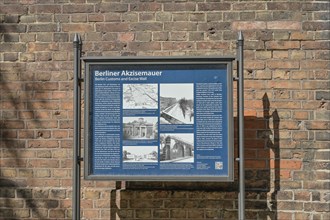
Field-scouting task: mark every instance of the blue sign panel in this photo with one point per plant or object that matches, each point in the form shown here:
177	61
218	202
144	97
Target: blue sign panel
165	120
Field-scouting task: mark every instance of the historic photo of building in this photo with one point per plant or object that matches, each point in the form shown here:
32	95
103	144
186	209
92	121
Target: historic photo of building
140	128
177	148
142	154
140	96
177	103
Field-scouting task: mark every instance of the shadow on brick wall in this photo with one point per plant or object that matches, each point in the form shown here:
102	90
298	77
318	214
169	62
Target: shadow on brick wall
18	115
213	200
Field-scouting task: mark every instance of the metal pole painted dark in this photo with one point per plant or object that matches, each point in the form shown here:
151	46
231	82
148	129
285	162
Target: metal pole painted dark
241	202
76	129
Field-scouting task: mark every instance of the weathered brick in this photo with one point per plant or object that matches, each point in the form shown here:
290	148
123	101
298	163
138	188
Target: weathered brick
280	54
321	15
146	26
322	95
212	45
284	6
180	26
315	6
77	27
315	45
213	6
279	64
246	25
13	9
112	27
144	46
315	25
42	144
78	8
57	213
315	84
284	25
301	35
45	18
12	47
282	35
42	9
179	7
322	136
249	6
178	213
282	45
150	6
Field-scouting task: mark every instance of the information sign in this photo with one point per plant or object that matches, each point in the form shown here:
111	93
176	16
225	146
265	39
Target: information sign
159	119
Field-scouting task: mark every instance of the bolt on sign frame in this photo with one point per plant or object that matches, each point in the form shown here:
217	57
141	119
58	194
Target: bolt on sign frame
157	119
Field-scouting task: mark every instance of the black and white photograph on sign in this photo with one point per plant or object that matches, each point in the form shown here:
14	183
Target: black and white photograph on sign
140	96
177	103
135	128
177	147
141	154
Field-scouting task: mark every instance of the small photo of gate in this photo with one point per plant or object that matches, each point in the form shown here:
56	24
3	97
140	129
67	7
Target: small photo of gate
140	128
177	147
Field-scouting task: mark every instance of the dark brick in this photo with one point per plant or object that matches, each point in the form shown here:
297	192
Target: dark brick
161	213
179	7
213	6
178	45
13	47
61	37
180	26
43	9
286	6
11	38
247	16
315	25
147	26
322	16
42	28
144	46
11	18
249	6
322	95
112	27
212	27
10	57
45	18
78	8
13	9
322	136
316	196
7	192
150	6
143	213
315	6
12	28
113	7
24	193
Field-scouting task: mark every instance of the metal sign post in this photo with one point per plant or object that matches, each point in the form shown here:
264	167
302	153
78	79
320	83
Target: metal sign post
76	127
241	199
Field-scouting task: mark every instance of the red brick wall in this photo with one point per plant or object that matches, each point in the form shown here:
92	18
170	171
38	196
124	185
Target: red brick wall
286	104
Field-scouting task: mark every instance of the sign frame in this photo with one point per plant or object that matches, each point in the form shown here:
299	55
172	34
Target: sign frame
145	61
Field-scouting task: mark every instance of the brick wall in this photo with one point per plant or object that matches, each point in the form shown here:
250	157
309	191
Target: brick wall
286	99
